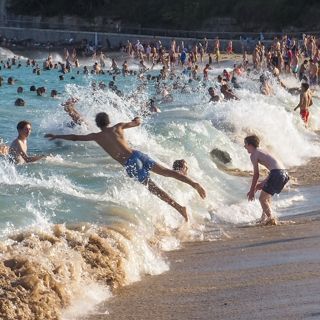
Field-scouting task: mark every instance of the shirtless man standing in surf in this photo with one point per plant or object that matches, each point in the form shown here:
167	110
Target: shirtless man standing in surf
274	182
136	163
305	102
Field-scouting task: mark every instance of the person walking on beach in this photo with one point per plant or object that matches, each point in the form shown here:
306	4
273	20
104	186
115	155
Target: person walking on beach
18	149
137	164
305	102
274	183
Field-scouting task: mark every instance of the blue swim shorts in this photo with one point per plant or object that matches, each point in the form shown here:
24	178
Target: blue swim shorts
139	165
276	181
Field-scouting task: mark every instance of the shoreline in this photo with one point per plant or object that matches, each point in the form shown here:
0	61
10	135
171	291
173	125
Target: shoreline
252	273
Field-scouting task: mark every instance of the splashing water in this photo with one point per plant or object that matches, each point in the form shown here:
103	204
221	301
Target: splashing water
75	226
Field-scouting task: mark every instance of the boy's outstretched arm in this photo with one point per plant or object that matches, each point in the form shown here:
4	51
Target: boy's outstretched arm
71	137
126	125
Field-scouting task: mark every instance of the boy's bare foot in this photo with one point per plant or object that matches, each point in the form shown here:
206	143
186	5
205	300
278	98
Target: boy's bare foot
183	212
270	222
262	219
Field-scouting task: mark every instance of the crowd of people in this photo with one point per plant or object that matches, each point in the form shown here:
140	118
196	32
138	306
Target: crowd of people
180	72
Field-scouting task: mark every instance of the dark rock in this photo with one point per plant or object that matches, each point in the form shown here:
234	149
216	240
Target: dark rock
222	156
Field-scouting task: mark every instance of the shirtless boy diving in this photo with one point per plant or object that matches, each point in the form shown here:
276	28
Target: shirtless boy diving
274	182
137	164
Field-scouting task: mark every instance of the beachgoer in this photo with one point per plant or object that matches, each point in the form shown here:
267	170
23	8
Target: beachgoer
53	93
152	107
265	87
4	149
303	69
137	164
313	73
213	97
18	148
19	102
228	93
10	81
274	182
206	72
125	68
69	107
181	166
305	102
229	47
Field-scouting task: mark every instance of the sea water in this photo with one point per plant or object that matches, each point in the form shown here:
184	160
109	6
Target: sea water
74	225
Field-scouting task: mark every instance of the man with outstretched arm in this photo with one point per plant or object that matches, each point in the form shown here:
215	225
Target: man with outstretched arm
137	164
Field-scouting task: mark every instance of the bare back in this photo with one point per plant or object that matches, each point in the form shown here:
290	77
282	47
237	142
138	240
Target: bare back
305	100
265	159
112	140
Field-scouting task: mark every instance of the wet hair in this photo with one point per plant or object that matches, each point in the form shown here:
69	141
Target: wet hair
19	102
33	88
252	140
178	164
39	92
305	86
53	93
19	89
224	87
102	120
22	124
262	78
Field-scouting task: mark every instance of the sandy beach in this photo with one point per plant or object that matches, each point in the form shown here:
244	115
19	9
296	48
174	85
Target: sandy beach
257	273
249	272
253	272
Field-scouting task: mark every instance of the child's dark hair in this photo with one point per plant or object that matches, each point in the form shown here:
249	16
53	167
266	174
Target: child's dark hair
22	124
178	164
252	140
102	120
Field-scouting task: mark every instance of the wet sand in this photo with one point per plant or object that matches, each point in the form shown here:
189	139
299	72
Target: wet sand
308	174
257	273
